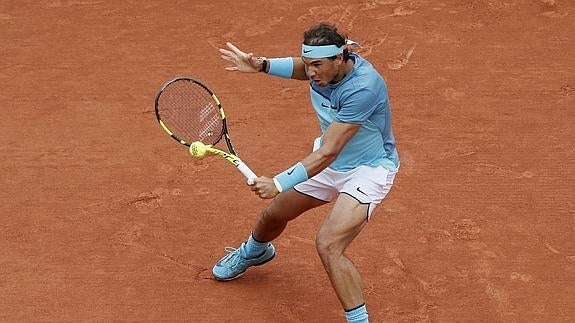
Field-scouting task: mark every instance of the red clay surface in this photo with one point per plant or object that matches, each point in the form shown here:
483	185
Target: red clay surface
105	218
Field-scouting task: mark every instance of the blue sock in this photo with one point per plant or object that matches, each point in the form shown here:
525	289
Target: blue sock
357	315
255	248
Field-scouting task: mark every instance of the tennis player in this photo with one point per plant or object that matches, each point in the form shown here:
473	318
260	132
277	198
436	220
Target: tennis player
353	163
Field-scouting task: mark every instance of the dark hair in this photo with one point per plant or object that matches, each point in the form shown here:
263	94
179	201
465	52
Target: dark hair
325	34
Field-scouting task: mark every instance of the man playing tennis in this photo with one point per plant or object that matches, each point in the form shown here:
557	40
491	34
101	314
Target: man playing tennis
353	163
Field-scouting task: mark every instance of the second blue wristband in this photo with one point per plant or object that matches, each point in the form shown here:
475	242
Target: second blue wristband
282	67
290	177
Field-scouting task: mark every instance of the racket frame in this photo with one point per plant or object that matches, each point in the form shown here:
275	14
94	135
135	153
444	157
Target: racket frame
230	156
224	132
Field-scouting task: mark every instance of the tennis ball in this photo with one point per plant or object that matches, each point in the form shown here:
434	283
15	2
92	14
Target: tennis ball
197	149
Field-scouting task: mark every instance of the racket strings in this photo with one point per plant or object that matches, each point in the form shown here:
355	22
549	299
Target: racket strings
190	112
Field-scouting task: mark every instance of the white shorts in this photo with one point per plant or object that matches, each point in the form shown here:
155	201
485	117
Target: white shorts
368	185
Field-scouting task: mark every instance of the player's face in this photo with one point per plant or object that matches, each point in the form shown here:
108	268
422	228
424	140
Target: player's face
323	71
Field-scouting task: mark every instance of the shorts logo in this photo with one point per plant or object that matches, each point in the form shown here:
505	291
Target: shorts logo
359	190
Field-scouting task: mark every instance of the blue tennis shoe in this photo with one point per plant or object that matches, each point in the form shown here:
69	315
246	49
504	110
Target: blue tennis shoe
236	262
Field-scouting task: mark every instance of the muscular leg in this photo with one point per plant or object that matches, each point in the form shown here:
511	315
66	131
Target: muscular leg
284	208
344	223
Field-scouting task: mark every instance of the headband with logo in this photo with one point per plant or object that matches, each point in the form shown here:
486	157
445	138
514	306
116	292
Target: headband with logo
312	51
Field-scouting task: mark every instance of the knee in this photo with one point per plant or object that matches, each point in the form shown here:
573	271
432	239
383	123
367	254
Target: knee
269	218
327	247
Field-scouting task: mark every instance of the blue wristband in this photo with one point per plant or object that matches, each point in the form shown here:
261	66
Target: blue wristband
282	67
290	177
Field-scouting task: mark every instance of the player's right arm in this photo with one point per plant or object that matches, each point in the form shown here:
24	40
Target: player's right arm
248	63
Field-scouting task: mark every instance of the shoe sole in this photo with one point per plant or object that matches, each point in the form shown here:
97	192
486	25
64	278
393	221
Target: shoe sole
243	272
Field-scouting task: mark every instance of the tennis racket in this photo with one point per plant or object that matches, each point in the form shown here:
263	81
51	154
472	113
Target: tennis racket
193	116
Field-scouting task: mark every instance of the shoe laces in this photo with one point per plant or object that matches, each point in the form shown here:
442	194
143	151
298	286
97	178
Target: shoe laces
233	256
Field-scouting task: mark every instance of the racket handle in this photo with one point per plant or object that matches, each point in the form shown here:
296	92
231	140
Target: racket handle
251	176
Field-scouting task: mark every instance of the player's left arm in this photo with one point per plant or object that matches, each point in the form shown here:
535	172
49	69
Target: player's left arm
358	106
334	139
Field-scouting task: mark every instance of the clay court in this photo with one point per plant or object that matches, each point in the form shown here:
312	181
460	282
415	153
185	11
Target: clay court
105	218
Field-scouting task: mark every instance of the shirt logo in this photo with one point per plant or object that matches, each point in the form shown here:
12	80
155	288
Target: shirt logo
329	106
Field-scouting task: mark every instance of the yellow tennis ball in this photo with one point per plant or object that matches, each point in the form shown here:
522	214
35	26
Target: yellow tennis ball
198	149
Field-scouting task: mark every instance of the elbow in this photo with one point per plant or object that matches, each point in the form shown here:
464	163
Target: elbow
328	154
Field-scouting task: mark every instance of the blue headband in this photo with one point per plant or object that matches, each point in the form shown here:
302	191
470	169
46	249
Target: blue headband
320	51
311	51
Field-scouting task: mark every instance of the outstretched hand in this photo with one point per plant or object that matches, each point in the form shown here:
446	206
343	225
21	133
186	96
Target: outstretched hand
243	62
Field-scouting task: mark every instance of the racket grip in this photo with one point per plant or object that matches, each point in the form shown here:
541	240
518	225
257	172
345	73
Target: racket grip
251	176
